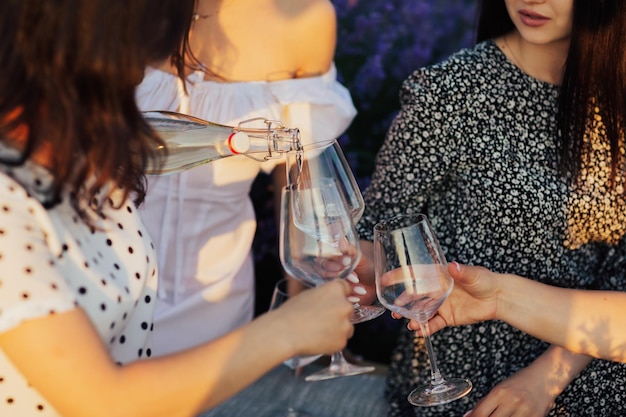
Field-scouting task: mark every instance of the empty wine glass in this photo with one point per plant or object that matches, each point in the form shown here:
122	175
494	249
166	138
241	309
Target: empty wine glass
320	247
324	161
412	280
314	166
280	296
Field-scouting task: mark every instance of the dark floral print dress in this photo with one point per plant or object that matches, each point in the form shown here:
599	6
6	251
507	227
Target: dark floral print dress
474	148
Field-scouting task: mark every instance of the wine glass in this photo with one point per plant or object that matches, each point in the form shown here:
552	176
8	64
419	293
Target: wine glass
316	165
412	280
320	247
280	296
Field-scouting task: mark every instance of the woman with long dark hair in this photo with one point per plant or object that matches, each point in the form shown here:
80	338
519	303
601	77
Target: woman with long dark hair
515	151
78	270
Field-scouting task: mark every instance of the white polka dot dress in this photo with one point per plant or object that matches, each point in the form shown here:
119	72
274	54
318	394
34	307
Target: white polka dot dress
51	262
474	148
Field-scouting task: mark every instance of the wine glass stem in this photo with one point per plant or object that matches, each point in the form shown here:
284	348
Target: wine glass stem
435	375
296	372
337	361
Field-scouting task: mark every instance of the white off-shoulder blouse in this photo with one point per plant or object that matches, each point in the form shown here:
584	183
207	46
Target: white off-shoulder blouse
202	220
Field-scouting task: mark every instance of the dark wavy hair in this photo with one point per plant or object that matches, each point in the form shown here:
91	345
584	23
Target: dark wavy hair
594	76
68	77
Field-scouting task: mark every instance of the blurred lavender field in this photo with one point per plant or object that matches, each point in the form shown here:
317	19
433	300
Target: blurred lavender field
379	43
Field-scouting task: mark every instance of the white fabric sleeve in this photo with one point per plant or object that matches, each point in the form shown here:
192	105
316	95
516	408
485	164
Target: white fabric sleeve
31	285
160	90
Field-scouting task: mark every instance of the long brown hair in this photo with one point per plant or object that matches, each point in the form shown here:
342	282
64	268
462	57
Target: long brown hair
594	81
68	77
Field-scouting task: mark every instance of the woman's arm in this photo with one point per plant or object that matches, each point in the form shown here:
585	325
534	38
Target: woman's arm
531	391
582	321
64	359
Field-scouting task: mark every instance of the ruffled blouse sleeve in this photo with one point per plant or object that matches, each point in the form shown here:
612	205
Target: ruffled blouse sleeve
36	288
160	90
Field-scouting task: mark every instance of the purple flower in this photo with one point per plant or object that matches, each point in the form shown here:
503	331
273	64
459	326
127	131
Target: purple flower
379	44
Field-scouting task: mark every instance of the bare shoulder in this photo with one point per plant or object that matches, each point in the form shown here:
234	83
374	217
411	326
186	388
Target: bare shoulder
266	39
313	29
306	17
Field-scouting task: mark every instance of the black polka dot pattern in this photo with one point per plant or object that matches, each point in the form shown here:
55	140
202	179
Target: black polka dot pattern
51	262
473	148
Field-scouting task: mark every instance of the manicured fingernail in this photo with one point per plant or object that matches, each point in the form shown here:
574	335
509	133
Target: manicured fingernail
359	290
346	260
469	413
458	268
353	278
353	299
408	326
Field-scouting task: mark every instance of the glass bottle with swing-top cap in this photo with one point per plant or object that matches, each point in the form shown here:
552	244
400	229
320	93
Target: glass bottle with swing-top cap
190	141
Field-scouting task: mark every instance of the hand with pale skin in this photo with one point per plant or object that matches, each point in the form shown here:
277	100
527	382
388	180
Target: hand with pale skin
519	395
582	321
471	301
299	313
531	391
182	384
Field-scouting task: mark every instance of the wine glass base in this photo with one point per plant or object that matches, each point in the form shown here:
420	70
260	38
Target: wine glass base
365	313
288	412
448	391
346	369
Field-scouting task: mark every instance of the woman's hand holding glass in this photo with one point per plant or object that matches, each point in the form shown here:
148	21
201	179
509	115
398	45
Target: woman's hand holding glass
412	280
473	299
317	238
322	316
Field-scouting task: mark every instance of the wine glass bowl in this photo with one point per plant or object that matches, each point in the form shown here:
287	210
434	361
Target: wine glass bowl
416	291
323	162
323	244
315	166
412	280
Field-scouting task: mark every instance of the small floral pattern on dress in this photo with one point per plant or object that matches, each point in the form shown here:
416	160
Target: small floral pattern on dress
474	148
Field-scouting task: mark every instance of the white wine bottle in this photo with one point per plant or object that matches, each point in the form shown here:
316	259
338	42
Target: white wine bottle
190	142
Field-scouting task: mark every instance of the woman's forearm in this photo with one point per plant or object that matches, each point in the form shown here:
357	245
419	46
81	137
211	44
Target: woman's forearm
66	362
583	321
558	367
63	358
